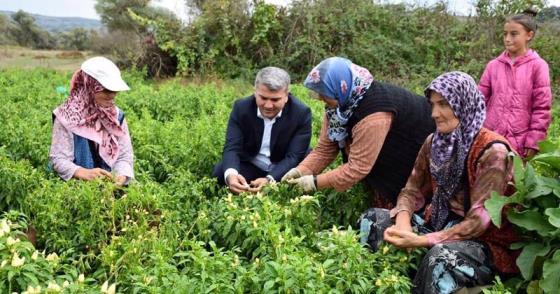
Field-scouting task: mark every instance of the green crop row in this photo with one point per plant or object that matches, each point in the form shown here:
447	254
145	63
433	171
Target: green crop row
174	230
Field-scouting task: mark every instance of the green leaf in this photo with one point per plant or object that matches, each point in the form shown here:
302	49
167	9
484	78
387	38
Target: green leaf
553	216
11	275
328	263
545	202
538	191
526	259
552	183
533	288
31	278
547	146
494	206
552	159
530	178
530	220
518	173
550	282
268	285
517	245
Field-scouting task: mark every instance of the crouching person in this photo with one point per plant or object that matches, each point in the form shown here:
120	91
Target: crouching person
268	133
441	206
90	137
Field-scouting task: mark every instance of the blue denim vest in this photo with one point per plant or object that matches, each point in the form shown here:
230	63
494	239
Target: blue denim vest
86	152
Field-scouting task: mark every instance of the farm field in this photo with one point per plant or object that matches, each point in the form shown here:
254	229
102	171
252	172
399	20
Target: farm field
25	58
174	231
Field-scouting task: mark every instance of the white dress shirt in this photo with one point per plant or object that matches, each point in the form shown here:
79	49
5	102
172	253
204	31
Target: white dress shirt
262	159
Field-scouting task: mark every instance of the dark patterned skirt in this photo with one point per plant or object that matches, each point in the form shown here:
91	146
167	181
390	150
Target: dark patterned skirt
446	268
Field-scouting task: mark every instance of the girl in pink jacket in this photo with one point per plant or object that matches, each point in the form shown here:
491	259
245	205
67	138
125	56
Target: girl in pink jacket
516	87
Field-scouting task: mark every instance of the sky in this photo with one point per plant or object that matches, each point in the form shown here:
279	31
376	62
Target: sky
85	8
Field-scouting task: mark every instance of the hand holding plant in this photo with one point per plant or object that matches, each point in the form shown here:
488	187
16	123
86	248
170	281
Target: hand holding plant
257	184
237	183
120	180
91	174
293	173
404	239
306	183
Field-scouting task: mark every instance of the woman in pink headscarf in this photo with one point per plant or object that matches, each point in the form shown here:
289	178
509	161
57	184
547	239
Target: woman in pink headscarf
90	136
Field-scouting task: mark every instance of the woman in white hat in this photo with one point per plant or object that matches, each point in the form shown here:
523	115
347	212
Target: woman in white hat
90	136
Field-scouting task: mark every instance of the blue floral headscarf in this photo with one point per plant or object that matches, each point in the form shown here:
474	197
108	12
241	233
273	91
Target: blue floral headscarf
338	78
449	151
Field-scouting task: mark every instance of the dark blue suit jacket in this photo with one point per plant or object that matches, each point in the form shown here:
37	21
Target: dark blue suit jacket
289	138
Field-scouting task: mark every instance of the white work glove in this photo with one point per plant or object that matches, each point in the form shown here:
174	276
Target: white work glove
294	173
306	183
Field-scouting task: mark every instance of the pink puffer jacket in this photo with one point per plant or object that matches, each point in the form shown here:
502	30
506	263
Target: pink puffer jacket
518	99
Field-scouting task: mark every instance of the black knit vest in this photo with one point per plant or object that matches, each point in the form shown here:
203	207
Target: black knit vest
411	125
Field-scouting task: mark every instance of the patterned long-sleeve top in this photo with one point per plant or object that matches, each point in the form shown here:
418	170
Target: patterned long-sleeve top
61	155
362	149
493	172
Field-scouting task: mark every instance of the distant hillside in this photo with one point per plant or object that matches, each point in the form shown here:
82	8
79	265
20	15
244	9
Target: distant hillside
55	24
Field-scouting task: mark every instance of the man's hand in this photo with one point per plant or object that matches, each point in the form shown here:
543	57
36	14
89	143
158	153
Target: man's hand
257	184
404	238
293	173
91	174
237	183
307	183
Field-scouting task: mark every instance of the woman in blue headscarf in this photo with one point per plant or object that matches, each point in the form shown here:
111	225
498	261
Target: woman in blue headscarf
441	206
378	127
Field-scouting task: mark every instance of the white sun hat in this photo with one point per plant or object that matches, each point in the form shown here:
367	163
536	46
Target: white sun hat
105	72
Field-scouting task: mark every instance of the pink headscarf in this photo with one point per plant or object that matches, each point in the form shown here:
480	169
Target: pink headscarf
81	115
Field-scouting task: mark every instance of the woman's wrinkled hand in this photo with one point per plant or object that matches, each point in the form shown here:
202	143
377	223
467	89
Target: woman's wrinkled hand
92	174
404	238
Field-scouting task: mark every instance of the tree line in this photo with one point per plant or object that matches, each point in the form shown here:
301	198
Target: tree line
233	39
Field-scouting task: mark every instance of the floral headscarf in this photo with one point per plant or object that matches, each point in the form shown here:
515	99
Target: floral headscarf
338	78
449	151
82	116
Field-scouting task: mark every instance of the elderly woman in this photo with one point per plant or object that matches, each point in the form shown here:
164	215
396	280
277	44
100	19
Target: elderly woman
90	137
379	127
456	170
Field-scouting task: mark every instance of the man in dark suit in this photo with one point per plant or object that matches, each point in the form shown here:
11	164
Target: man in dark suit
268	133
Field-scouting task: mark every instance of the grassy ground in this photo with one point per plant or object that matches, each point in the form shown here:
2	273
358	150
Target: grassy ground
25	58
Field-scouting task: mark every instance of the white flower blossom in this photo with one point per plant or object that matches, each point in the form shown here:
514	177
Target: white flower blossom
4	227
104	287
17	261
32	290
112	289
306	198
54	287
11	241
52	257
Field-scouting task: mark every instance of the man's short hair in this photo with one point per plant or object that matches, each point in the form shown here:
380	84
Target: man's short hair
274	78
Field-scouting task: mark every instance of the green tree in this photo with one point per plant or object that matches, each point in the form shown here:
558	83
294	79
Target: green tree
76	39
551	14
5	37
26	33
118	14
